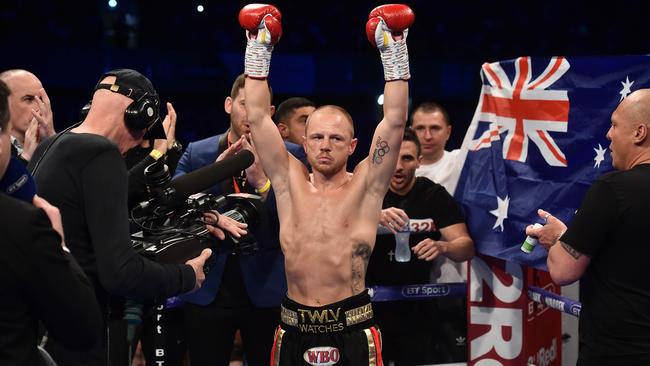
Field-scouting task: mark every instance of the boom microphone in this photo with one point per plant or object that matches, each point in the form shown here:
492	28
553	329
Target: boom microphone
208	176
17	182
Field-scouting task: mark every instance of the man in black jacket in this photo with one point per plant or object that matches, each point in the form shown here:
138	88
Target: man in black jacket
83	173
39	279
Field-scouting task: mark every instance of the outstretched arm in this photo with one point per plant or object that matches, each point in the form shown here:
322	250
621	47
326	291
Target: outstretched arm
387	29
263	29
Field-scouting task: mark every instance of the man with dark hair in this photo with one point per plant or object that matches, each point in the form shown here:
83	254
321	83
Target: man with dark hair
39	279
291	116
242	291
411	331
432	125
82	171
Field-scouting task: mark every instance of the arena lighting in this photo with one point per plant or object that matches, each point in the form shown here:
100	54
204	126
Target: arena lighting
380	99
112	3
200	8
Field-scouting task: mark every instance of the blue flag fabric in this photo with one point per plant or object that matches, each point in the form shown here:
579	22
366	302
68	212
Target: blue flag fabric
537	140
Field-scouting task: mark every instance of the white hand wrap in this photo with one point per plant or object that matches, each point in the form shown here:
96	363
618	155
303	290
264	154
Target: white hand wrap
394	54
258	58
395	59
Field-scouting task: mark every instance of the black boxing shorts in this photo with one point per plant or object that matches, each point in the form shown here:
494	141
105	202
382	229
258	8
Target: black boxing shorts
341	334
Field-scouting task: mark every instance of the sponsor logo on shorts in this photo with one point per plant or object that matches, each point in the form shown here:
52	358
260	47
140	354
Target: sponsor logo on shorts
322	356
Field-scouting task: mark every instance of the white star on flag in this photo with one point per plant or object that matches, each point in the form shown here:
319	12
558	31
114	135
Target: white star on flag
627	84
501	212
600	156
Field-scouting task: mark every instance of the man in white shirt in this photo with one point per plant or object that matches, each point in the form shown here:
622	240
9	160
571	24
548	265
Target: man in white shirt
430	122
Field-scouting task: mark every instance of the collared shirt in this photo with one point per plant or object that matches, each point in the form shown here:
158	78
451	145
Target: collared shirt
17	145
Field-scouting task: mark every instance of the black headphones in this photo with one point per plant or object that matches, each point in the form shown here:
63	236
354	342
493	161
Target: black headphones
142	113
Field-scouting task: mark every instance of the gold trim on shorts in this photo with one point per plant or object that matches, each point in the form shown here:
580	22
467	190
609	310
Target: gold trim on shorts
288	317
372	350
278	344
358	315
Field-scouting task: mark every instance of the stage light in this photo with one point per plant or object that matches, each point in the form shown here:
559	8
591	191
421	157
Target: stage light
112	3
380	100
200	8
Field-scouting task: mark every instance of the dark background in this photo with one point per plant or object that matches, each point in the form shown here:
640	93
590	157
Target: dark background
192	58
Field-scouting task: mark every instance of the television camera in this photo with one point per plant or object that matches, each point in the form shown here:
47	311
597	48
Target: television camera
170	225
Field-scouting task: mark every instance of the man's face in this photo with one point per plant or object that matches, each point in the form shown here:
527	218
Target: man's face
236	108
294	127
329	141
621	136
24	88
402	181
432	131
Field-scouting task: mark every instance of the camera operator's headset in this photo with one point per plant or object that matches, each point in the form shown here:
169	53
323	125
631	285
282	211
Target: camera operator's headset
140	115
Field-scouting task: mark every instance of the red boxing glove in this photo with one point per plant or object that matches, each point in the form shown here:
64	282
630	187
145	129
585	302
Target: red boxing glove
387	29
397	18
263	29
256	17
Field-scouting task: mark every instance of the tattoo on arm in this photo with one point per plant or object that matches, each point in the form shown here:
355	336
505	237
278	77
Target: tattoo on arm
381	149
574	253
360	257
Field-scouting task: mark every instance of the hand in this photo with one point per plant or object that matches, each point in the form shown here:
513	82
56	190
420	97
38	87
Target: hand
231	150
429	250
44	116
254	173
216	223
550	233
263	27
197	265
386	29
169	124
31	140
262	23
393	218
54	215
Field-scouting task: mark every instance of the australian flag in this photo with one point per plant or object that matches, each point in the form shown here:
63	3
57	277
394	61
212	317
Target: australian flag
537	140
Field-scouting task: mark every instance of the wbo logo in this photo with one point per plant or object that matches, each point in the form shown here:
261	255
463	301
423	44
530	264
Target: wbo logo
322	356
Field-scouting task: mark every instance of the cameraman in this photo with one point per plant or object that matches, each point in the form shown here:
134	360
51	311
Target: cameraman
241	291
83	173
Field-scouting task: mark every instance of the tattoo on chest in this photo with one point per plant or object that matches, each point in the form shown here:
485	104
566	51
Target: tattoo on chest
381	149
574	253
360	256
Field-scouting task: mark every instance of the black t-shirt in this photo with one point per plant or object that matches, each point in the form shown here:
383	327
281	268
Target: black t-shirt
84	175
610	228
429	207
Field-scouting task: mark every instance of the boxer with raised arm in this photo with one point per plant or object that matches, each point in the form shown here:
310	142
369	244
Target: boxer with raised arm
328	219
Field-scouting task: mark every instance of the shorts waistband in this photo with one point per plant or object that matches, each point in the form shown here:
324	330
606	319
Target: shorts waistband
349	314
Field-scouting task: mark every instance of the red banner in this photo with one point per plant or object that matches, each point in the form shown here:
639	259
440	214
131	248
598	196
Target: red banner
504	326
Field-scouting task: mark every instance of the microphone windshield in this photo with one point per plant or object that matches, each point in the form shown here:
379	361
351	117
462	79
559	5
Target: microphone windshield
208	176
17	182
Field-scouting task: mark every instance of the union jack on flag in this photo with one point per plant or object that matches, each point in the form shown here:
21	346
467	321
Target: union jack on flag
525	109
537	140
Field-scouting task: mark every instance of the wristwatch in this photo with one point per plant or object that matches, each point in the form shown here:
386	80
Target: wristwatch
176	146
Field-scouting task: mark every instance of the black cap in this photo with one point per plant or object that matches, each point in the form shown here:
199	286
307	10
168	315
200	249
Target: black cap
136	86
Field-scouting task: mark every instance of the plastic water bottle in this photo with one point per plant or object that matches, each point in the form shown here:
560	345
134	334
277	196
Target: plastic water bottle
529	244
402	248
